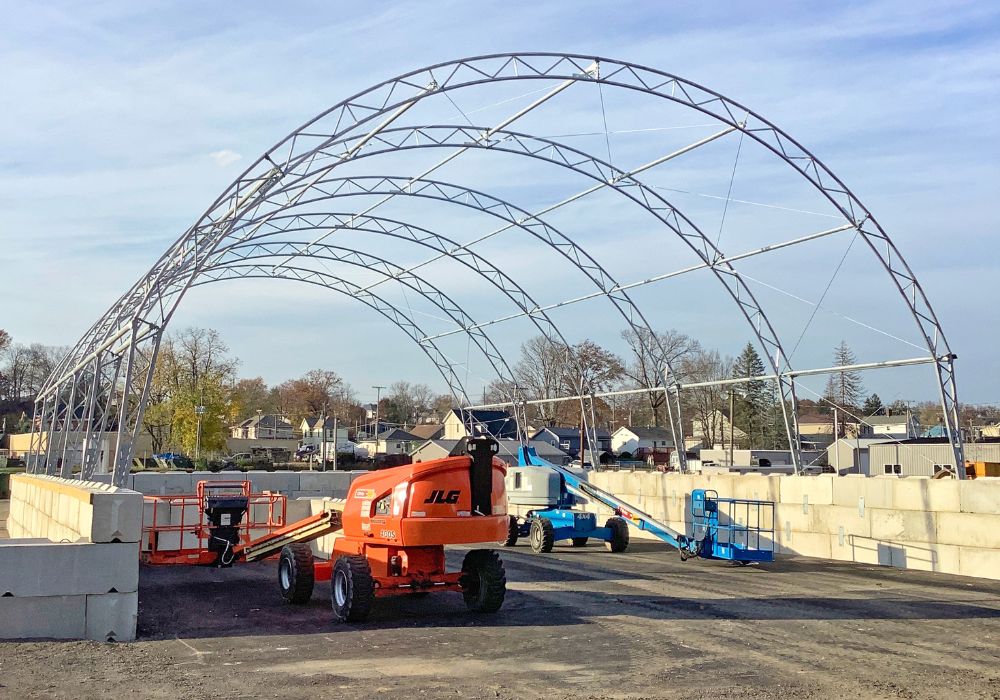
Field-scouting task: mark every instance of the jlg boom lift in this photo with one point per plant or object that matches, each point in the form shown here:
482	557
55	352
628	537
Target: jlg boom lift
395	525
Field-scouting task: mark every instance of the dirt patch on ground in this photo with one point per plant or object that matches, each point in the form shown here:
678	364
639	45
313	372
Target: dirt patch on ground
580	623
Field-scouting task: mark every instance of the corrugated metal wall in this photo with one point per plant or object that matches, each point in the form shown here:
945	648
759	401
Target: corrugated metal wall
919	460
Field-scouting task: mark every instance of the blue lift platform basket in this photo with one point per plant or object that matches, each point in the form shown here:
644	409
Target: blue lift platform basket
733	529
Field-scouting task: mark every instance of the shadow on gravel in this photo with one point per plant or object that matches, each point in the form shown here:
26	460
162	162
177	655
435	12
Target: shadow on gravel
200	602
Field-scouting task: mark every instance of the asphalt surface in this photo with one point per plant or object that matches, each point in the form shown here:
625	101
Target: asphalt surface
580	623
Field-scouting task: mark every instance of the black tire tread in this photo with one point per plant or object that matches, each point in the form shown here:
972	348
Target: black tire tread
547	540
619	535
512	532
484	581
300	557
361	588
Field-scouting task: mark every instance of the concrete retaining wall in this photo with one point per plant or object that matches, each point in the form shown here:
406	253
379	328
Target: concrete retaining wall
304	484
71	570
915	523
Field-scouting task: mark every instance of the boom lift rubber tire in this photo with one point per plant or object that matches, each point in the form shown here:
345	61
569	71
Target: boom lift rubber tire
352	588
513	531
580	541
619	534
541	535
484	581
296	576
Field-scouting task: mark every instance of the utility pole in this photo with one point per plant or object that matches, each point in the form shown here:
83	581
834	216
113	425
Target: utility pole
322	438
732	407
378	400
199	411
334	443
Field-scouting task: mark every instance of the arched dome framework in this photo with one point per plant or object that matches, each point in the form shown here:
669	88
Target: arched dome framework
104	381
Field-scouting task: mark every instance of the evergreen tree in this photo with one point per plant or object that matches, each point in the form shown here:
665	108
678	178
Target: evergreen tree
873	406
844	389
754	399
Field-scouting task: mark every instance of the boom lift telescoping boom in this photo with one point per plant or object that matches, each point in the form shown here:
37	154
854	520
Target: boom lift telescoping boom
739	530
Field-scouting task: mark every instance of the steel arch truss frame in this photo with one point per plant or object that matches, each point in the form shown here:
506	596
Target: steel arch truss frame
139	316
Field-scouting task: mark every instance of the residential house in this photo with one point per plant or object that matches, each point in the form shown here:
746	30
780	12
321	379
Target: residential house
716	429
394	441
427	431
315	434
631	439
264	427
499	424
568	440
898	427
440	448
817	428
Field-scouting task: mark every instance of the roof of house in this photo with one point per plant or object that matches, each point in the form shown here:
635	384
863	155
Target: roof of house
648	433
268	420
886	420
312	422
427	431
568	433
397	434
499	423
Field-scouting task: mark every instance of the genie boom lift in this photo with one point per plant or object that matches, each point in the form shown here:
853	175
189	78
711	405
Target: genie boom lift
733	529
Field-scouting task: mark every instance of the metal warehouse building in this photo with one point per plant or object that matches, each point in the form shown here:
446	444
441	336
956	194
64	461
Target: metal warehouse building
925	457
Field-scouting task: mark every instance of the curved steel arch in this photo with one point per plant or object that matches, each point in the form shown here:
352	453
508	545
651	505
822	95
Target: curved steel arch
141	313
390	270
515	217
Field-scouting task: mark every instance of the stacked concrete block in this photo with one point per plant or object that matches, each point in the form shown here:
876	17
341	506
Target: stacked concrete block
914	522
73	570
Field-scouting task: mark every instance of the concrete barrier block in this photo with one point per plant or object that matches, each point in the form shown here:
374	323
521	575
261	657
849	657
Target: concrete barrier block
163	483
976	561
847	490
116	517
45	617
830	519
112	617
808	544
41	568
980	495
279	482
817	490
756	487
297	509
917	493
903	525
969	529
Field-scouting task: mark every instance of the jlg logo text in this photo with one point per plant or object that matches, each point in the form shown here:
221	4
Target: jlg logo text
439	496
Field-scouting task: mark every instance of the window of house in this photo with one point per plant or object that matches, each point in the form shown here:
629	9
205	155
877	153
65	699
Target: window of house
564	445
893	469
942	468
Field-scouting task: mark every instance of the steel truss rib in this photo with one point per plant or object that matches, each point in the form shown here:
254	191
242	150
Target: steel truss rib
152	300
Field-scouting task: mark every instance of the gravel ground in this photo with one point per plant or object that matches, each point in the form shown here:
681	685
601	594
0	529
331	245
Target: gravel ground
577	623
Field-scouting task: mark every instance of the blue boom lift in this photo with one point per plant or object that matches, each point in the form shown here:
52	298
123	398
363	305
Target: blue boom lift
733	529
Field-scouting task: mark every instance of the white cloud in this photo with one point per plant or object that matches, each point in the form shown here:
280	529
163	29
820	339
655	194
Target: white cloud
225	157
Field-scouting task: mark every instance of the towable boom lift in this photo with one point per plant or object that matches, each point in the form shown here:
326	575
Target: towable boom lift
733	529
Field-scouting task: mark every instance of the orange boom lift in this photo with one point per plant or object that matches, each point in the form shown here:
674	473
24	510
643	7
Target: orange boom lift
396	523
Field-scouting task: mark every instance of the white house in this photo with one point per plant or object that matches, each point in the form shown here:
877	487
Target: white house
901	427
630	438
315	434
264	427
391	442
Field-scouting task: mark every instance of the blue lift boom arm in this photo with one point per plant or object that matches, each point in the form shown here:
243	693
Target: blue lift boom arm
584	489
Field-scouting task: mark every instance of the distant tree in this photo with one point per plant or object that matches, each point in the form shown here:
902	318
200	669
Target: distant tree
650	355
249	396
705	404
873	406
844	389
753	400
898	408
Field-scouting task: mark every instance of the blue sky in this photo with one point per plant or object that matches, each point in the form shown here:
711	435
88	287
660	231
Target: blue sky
123	121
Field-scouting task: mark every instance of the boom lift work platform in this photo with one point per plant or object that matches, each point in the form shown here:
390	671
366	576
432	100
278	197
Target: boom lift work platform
738	530
395	523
